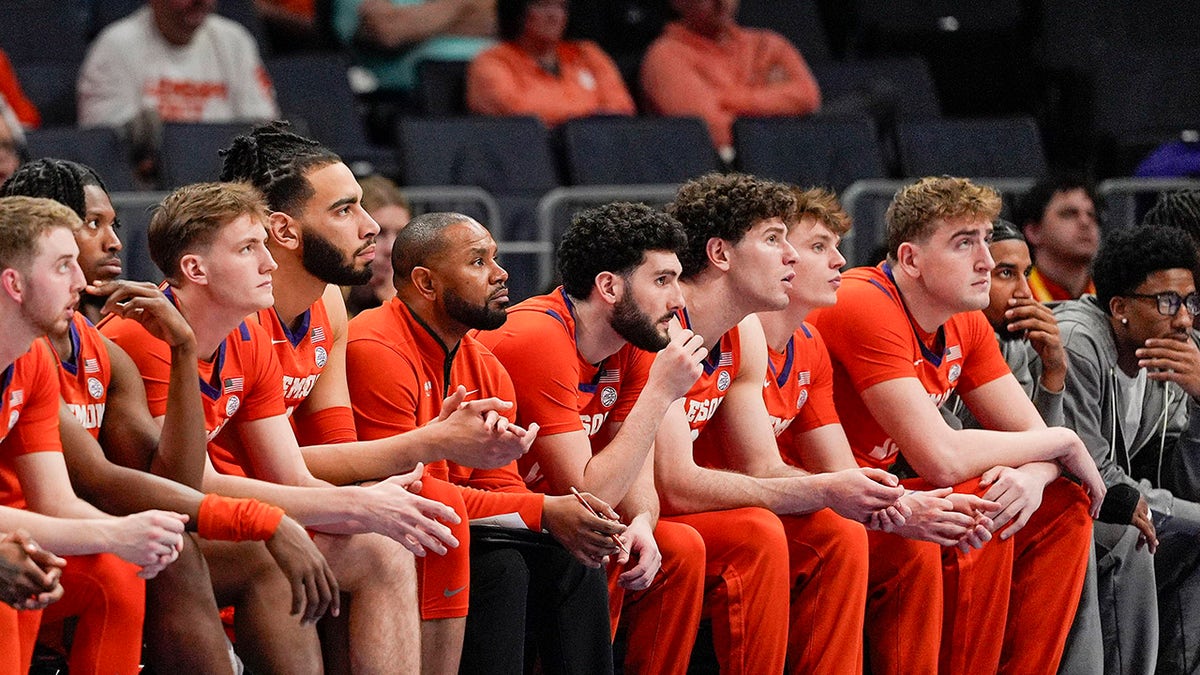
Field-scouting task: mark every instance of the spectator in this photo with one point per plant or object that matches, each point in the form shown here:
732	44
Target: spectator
12	146
535	72
392	36
1058	217
706	65
1131	396
173	61
290	24
11	93
384	202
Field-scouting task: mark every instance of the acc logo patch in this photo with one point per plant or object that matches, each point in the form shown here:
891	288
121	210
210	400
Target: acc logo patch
321	356
232	405
723	380
95	388
802	399
608	396
12	419
955	371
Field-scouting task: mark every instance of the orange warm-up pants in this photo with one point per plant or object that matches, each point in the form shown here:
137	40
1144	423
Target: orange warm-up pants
109	598
745	587
1005	608
828	558
18	633
660	622
443	581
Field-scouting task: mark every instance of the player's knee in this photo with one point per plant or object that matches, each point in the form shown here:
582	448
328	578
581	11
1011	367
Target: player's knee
683	553
122	592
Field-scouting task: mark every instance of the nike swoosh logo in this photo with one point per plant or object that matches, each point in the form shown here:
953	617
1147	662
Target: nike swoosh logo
451	593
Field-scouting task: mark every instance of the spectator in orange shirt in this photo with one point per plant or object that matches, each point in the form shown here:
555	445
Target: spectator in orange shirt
707	66
11	93
535	72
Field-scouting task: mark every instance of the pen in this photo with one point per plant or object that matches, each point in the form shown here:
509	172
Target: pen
615	538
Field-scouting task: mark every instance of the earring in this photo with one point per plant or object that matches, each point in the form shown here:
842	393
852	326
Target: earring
1124	321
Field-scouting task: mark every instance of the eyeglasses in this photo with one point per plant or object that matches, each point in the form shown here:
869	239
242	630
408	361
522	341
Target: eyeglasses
1169	302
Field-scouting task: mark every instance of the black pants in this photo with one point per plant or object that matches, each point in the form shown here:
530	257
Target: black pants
532	602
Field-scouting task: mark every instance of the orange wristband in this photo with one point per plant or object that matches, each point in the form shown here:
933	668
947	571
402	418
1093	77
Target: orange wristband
229	519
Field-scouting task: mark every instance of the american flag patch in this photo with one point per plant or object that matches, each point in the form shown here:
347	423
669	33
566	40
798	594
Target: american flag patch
17	397
610	376
91	366
804	377
233	384
953	353
318	334
726	359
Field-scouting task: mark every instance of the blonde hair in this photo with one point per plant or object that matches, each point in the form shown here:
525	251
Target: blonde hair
915	208
823	206
23	221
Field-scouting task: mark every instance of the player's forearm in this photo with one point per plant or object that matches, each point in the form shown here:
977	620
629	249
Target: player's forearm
642	498
61	536
701	489
346	463
610	473
121	491
182	446
310	506
968	453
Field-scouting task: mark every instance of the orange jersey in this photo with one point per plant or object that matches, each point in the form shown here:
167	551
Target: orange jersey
720	367
555	386
302	354
29	395
399	373
241	380
84	374
872	338
798	390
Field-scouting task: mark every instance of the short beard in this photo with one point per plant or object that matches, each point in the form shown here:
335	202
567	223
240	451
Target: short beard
473	316
635	326
324	261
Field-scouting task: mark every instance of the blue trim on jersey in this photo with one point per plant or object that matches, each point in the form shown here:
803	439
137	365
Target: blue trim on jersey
301	330
789	351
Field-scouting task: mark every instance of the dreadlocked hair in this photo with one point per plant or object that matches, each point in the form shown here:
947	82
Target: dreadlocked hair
58	179
275	160
1180	208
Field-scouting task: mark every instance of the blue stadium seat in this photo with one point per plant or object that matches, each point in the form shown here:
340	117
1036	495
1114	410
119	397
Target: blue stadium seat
99	148
632	150
809	151
993	148
50	85
313	89
36	31
189	152
442	88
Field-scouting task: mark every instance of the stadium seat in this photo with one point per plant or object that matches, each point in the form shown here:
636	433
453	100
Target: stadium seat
906	81
441	88
313	89
36	31
1144	97
98	147
994	148
632	150
507	156
189	152
809	151
50	85
799	21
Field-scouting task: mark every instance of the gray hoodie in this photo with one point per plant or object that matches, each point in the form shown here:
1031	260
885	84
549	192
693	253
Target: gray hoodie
1164	460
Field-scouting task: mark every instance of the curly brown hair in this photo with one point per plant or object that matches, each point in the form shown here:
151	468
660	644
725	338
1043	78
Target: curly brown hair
725	206
823	206
912	214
